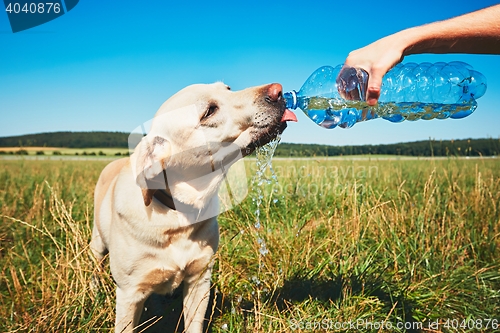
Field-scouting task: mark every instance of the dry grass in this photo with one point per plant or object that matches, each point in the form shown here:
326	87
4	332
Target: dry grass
33	149
349	241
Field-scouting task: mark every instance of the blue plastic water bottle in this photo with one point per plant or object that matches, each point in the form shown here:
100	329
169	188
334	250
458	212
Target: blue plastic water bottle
409	92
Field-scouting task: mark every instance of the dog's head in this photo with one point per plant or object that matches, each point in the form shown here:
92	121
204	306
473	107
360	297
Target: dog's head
203	129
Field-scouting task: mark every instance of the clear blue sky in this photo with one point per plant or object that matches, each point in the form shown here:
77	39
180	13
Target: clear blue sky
109	65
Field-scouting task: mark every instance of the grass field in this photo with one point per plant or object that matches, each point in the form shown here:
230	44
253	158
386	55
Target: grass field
353	245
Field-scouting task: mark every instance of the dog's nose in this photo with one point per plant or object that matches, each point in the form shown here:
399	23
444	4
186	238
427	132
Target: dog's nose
275	92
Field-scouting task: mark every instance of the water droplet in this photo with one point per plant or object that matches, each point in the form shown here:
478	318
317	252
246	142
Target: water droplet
255	280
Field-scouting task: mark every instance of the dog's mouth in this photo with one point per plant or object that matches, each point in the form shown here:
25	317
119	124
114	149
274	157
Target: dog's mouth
274	130
271	120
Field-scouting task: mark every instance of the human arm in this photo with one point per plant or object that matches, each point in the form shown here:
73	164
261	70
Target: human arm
476	33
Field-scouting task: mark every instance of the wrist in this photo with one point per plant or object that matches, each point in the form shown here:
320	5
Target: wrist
409	40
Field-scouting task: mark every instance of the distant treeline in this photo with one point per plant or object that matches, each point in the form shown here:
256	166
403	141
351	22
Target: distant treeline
68	140
467	147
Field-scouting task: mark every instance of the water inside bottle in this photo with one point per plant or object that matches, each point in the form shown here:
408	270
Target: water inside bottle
332	112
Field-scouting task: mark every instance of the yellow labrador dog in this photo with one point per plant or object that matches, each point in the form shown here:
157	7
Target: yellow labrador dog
155	212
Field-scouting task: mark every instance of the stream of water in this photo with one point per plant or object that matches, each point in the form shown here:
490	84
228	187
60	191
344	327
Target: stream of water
259	182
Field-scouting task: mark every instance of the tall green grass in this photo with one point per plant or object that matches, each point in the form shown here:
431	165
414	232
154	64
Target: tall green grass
409	243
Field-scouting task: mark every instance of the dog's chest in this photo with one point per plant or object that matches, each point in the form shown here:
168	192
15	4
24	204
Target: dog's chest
168	267
182	256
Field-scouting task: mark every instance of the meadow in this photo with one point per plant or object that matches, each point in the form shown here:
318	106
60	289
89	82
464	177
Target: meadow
350	245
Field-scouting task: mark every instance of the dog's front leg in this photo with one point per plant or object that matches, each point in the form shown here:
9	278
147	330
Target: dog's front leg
128	310
196	296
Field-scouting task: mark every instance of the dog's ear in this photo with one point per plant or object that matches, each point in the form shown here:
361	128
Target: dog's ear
150	158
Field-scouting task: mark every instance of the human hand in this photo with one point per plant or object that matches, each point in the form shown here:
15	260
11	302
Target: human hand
374	60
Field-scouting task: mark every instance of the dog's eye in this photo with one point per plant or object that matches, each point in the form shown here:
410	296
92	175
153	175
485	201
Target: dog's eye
228	87
212	108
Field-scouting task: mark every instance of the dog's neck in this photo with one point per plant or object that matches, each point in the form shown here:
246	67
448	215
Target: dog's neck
190	214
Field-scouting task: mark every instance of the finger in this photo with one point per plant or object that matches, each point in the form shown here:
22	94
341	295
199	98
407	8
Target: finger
372	95
374	87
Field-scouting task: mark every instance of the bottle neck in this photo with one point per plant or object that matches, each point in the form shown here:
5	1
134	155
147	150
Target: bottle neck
291	99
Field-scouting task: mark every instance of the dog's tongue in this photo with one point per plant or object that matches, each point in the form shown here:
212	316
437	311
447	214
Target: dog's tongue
288	116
